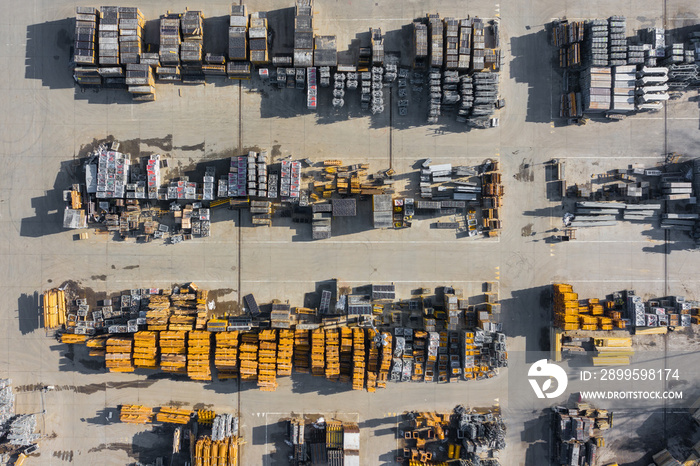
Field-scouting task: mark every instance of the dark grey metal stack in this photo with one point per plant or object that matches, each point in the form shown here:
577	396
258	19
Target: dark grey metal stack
451	43
108	36
170	41
435	96
257	35
303	34
377	41
85	35
131	23
435	30
191	48
617	40
325	51
597	44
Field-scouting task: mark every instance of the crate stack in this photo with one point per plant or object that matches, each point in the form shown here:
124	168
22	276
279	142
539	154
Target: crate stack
257	35
285	351
267	361
169	51
118	354
464	59
248	356
173	351
226	355
198	349
451	50
85	35
131	23
191	48
108	36
146	349
598	43
141	82
332	354
596	85
617	41
624	78
566	308
385	362
303	34
317	352
158	312
420	44
302	349
358	359
435	30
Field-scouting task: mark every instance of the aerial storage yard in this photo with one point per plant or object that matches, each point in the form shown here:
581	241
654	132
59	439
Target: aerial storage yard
350	233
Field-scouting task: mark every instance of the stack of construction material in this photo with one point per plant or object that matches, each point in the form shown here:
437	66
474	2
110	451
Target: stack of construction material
285	350
435	30
158	312
169	73
108	36
169	51
385	363
566	307
220	452
172	415
73	338
485	96
131	23
198	344
332	354
372	360
598	42
377	101
135	414
237	177
377	44
478	45
358	358
226	355
420	44
302	349
312	89
258	38
450	94
623	88
617	40
153	175
88	76
85	34
98	346
54	308
451	43
202	297
345	355
248	356
141	83
596	83
382	210
252	178
191	49
677	190
435	95
146	349
118	357
325	51
173	351
238	33
290	180
303	34
465	44
317	352
215	65
267	361
652	88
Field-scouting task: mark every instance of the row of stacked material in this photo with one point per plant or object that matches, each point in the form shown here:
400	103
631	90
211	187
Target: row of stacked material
137	414
54	308
210	452
591	314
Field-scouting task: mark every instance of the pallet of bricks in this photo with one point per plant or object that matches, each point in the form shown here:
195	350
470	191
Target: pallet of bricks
248	356
118	354
198	349
267	360
226	355
84	56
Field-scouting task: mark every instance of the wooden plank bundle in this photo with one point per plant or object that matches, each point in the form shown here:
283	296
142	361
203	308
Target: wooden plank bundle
317	352
358	359
226	355
267	360
146	349
302	349
118	357
285	351
198	349
135	414
173	351
172	415
332	354
248	356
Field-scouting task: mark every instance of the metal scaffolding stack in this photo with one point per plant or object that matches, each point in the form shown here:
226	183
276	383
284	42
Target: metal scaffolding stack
435	31
332	354
478	45
140	82
21	432
248	357
451	43
108	36
302	350
7	404
598	43
135	414
191	48
465	44
237	177
173	351
285	351
317	352
617	40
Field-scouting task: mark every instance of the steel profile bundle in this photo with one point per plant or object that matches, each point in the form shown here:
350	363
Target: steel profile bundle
358	358
248	356
131	23
85	36
118	354
172	415
285	351
135	414
198	355
146	349
173	351
226	355
302	350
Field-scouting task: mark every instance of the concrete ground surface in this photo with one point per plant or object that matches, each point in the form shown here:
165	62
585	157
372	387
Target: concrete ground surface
46	123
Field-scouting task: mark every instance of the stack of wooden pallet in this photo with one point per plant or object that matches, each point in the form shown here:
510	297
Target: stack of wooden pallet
285	352
358	359
158	312
332	354
267	361
385	363
136	414
226	355
146	349
118	357
248	356
317	352
301	351
345	354
172	415
173	352
198	345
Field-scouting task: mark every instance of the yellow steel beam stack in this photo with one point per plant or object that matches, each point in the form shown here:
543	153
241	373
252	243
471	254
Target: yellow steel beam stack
71	338
183	307
226	355
97	345
118	357
54	308
158	312
358	359
173	352
198	349
146	349
332	354
248	356
566	308
205	416
267	360
301	351
202	311
172	415
181	323
285	351
136	414
385	363
345	354
317	352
